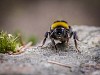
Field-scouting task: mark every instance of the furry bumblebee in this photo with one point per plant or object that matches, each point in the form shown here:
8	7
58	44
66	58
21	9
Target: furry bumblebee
60	30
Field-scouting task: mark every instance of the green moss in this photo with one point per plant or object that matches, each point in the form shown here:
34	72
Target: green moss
33	39
25	39
8	42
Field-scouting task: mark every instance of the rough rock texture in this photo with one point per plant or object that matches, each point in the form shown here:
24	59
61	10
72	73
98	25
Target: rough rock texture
39	61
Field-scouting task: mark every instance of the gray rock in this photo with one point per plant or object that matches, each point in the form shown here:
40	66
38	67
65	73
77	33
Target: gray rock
46	60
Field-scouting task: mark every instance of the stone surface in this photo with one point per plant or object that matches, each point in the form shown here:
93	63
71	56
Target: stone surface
39	61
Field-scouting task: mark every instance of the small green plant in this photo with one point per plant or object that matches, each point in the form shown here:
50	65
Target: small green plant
32	39
8	42
24	39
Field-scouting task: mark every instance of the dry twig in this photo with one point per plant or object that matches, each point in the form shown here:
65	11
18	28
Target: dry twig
60	64
22	48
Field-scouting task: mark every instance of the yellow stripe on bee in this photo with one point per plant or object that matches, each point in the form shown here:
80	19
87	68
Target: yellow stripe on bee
63	24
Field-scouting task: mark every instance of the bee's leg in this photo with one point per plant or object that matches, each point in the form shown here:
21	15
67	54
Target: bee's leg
75	37
54	43
67	39
46	35
70	32
67	42
69	35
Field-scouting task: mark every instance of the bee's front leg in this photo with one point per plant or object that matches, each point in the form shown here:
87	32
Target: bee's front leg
46	36
75	37
53	42
67	40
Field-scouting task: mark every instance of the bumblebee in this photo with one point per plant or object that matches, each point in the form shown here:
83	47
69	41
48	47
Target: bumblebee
62	31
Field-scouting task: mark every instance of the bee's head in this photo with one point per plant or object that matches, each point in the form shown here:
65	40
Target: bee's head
59	32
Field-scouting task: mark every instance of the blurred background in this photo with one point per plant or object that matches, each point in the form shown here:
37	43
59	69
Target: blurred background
34	17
